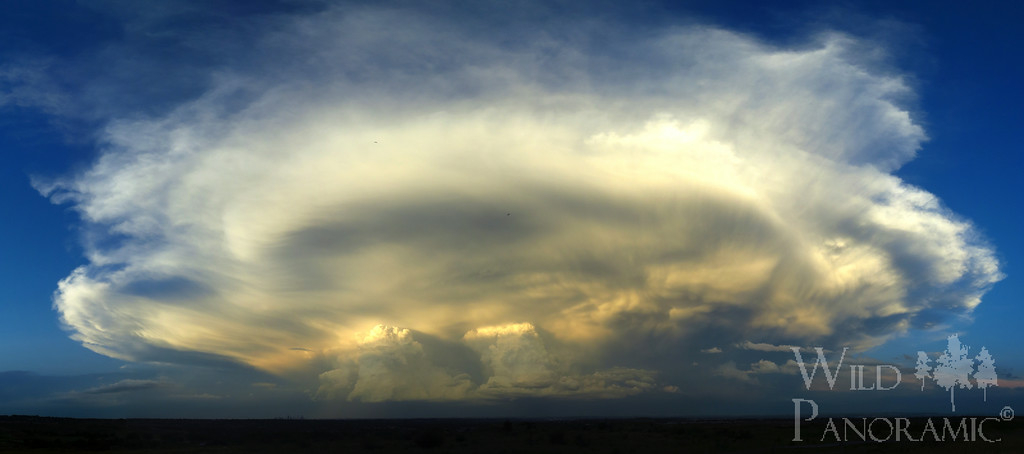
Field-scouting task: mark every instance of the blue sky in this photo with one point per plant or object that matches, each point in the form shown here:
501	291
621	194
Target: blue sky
342	210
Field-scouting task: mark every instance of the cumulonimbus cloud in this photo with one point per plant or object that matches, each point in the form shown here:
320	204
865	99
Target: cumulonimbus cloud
390	364
553	206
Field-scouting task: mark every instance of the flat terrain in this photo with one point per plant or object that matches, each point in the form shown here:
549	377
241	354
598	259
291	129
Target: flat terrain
30	434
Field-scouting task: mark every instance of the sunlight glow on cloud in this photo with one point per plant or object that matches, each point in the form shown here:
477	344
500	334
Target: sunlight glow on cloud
392	365
547	209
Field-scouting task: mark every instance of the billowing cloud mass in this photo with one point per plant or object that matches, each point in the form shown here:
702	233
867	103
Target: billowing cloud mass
440	210
392	365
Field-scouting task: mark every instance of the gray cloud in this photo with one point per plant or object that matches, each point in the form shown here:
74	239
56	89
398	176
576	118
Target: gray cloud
366	167
126	385
763	347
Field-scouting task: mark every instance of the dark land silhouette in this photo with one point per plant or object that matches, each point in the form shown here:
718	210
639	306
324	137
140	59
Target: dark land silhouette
32	434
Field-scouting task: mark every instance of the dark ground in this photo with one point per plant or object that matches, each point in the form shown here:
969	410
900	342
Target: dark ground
32	434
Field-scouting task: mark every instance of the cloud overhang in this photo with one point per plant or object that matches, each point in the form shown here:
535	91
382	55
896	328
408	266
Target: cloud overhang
409	208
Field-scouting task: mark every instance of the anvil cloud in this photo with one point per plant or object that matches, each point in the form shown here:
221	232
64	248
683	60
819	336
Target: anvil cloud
414	207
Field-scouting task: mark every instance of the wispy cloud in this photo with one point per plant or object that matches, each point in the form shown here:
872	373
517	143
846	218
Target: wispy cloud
364	166
126	385
763	347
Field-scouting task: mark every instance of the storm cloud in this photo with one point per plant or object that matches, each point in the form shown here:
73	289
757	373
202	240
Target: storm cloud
411	206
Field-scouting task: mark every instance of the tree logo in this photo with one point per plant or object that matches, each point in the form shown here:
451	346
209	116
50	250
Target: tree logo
955	367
